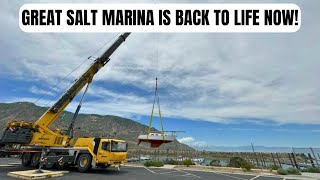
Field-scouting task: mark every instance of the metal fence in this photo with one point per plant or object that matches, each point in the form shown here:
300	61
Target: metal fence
312	156
298	157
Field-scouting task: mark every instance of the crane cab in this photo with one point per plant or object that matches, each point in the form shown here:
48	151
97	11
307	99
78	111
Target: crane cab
105	152
112	151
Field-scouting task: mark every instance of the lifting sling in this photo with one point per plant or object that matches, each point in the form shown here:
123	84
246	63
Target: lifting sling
156	100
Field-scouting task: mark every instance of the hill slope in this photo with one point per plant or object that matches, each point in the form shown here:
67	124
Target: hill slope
90	125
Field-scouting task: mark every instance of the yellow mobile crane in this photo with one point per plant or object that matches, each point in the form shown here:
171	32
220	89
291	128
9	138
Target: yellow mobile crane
57	145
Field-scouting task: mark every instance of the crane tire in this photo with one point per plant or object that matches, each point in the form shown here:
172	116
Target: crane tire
26	159
84	162
35	159
62	165
50	165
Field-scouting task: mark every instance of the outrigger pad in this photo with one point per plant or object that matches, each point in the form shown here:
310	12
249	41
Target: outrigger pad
30	174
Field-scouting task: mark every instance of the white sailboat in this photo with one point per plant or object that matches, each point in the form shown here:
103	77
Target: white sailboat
156	139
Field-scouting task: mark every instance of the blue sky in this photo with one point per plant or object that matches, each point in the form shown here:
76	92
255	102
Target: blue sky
222	89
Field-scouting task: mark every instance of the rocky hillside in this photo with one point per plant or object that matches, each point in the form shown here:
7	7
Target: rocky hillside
90	125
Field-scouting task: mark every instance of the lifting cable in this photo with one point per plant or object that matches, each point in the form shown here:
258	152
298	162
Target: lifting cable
156	100
156	95
160	116
63	79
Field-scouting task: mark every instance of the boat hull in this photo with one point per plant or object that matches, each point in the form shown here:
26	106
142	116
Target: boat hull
156	140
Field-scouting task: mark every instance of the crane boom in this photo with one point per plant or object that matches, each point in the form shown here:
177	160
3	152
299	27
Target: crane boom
48	117
38	133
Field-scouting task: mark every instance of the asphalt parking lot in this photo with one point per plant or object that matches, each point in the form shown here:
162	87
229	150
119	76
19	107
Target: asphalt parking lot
136	173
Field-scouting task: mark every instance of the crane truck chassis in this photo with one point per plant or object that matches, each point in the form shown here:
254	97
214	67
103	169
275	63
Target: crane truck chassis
39	146
86	153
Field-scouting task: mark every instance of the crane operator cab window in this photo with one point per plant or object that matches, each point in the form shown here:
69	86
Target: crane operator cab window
106	146
118	146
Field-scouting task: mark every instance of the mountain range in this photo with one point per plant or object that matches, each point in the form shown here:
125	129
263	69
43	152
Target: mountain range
87	125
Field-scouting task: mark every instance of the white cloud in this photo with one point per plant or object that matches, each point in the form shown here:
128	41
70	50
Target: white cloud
200	144
39	91
193	142
186	140
212	77
103	93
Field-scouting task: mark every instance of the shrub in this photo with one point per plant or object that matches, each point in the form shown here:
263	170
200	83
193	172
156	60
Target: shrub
281	171
187	162
292	170
153	163
246	165
274	167
158	164
236	162
147	163
215	162
311	170
173	162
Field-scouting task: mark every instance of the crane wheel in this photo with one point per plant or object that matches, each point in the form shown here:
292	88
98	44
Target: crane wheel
50	165
26	159
62	165
84	162
35	159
